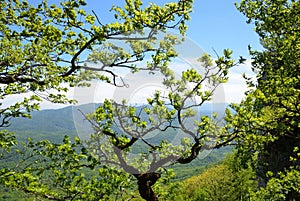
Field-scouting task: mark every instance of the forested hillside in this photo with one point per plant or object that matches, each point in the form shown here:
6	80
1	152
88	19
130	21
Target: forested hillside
52	125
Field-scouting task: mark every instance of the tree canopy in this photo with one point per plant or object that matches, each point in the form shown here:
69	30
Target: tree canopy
266	123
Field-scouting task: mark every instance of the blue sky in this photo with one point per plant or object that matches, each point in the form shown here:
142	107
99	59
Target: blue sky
218	24
215	24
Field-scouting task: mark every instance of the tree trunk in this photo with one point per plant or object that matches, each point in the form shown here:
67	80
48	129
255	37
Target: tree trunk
145	181
276	158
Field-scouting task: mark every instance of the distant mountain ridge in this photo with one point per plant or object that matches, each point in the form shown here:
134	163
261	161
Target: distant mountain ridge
50	124
53	124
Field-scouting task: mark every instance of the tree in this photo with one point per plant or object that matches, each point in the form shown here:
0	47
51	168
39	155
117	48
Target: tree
43	52
266	123
120	126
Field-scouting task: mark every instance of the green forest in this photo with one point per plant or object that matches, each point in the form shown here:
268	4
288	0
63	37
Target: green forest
170	148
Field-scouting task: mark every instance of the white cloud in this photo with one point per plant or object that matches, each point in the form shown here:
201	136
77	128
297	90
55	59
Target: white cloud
143	85
236	86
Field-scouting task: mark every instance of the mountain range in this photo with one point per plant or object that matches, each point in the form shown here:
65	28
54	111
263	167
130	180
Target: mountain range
54	124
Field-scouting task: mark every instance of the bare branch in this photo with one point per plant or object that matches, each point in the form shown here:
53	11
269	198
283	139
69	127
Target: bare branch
74	67
98	20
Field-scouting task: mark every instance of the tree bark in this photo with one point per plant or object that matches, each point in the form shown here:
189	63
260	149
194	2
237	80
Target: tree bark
145	181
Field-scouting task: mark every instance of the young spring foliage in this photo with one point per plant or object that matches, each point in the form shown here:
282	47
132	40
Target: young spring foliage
43	52
266	123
